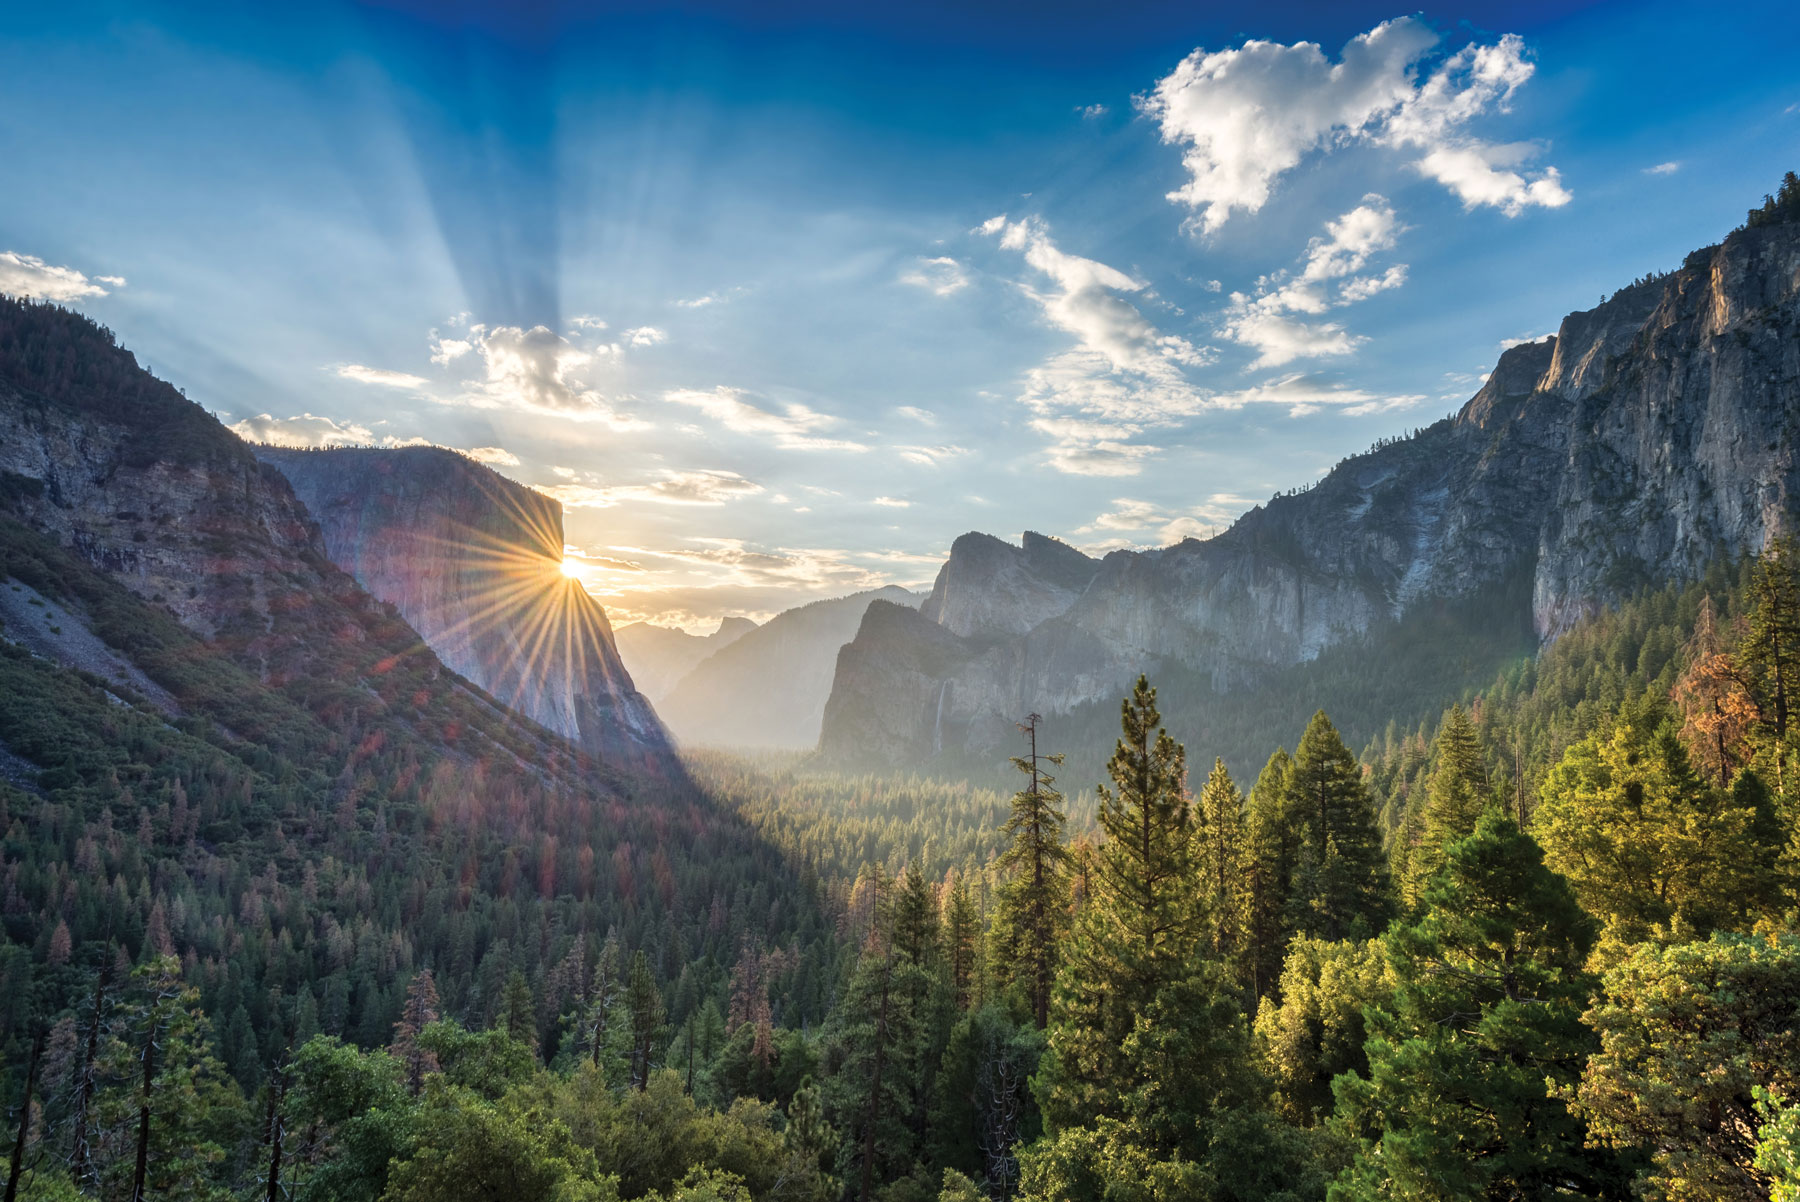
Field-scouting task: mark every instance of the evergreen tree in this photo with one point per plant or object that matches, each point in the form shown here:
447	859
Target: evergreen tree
1454	799
1138	931
1272	846
604	988
915	917
1219	858
877	1048
1315	1030
643	1007
419	1011
1770	652
518	1012
1646	843
1340	888
963	939
1491	989
1033	902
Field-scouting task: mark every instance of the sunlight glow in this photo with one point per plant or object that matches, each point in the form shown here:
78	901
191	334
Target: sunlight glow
572	568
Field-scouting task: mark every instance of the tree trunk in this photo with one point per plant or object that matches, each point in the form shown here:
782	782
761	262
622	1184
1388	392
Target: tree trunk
18	1152
142	1171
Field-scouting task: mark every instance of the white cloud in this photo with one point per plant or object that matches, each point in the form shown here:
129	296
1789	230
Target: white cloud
1246	116
584	322
494	456
306	430
1167	526
1506	344
1668	168
646	336
540	371
704	487
566	473
29	276
941	276
795	428
1123	377
1303	394
1091	111
380	376
893	503
925	416
930	456
1328	279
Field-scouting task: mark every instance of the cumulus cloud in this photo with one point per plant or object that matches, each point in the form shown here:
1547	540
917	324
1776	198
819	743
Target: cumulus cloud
306	430
29	276
703	487
941	276
1246	116
646	336
585	322
795	428
380	376
493	456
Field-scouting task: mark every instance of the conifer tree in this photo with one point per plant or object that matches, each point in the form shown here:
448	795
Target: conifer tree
1340	888
518	1012
1033	902
1491	990
915	917
1272	845
604	987
962	941
1139	930
644	1009
1454	799
1219	858
419	1011
1771	649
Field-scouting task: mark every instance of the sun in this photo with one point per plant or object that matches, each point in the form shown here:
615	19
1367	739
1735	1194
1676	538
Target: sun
571	568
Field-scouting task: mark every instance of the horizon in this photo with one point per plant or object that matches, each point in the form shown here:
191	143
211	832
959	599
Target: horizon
779	306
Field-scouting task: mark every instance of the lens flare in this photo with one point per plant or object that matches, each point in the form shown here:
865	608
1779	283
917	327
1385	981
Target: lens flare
572	568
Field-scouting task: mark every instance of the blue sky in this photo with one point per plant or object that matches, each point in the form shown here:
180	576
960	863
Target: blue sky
779	304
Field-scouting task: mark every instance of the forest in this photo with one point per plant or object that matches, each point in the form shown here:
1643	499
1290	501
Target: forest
1543	947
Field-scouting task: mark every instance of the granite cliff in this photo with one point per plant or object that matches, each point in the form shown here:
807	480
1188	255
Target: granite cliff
1646	437
473	561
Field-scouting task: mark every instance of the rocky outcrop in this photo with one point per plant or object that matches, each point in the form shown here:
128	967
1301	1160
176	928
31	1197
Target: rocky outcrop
990	589
659	656
1648	436
474	562
768	688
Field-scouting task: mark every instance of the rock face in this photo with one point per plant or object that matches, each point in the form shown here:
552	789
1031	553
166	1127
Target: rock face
474	562
1650	435
768	688
659	656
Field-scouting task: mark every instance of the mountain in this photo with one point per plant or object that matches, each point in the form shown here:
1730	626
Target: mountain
473	561
659	656
1649	436
768	688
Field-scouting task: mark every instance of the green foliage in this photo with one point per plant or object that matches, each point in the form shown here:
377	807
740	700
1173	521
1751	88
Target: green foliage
1778	1146
1780	208
472	1151
1033	912
1687	1034
1313	1030
1488	1007
1454	799
1648	845
1340	886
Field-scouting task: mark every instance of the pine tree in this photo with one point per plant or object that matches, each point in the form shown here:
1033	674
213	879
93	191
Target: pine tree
962	941
1488	1007
604	987
1033	903
1272	845
1771	649
518	1012
644	1009
1454	799
1340	888
1219	857
1139	930
915	917
419	1011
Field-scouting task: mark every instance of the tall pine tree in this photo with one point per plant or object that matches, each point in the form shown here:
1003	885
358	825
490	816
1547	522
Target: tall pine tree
1341	887
1032	912
1454	799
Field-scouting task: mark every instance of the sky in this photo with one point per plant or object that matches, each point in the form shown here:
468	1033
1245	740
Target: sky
780	299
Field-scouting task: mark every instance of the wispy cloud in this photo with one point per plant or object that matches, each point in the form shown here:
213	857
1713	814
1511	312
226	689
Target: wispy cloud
703	487
305	430
795	428
29	276
941	276
381	377
1247	116
1668	168
493	456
